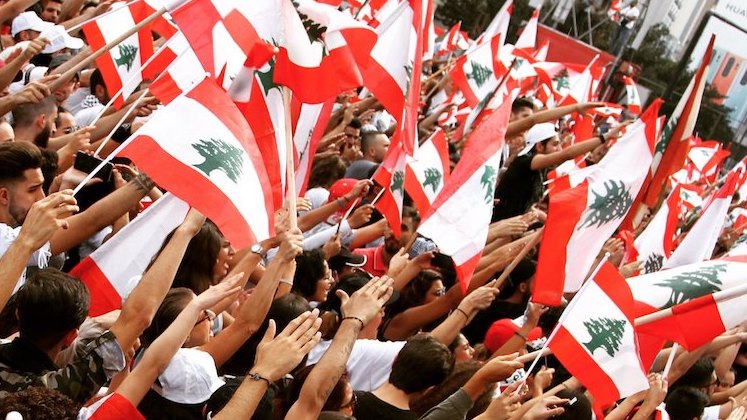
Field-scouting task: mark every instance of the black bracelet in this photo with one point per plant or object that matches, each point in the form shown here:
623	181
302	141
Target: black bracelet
602	138
355	318
257	377
462	311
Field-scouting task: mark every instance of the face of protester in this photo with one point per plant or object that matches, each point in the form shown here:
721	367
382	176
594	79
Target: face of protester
17	197
65	124
380	147
408	229
436	290
463	350
51	11
522	113
201	332
222	262
550	146
323	285
391	243
516	143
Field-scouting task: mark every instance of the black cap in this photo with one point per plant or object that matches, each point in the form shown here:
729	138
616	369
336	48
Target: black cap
346	258
350	285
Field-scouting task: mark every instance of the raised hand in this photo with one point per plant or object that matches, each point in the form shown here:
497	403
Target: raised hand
216	293
291	245
277	356
46	216
360	216
367	301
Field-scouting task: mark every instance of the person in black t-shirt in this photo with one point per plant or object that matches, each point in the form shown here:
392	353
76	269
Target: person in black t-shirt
521	185
421	364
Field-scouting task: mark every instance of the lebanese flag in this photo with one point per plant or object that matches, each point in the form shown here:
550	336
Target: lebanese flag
587	206
595	338
672	148
210	160
323	50
689	290
656	243
309	127
691	197
179	70
632	98
221	32
427	171
614	12
498	26
447	43
459	218
541	53
391	177
566	168
261	103
125	61
699	242
582	88
110	271
477	72
528	38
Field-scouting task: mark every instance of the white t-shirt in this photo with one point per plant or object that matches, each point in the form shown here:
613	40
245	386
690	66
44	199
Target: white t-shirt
629	14
40	258
711	412
369	364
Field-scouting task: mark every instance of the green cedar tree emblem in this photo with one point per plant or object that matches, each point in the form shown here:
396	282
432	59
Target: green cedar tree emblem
488	182
314	29
127	55
693	284
398	181
220	156
606	333
611	205
265	77
518	63
653	263
666	135
562	80
479	73
432	178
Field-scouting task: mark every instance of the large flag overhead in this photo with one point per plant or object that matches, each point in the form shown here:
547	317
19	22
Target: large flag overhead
428	171
391	177
178	69
587	206
499	24
688	290
110	271
633	100
122	66
210	160
528	37
672	148
656	243
308	128
459	217
699	242
595	338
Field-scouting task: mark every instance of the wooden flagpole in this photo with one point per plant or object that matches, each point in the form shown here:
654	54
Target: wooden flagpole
721	296
290	181
67	75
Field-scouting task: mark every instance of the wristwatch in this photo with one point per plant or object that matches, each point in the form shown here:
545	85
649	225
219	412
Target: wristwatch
257	249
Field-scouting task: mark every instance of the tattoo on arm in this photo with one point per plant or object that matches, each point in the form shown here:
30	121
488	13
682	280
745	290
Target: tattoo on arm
143	183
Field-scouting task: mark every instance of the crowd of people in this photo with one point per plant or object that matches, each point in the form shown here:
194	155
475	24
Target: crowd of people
334	317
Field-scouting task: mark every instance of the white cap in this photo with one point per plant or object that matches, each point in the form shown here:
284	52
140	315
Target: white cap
59	39
30	74
538	133
26	21
190	377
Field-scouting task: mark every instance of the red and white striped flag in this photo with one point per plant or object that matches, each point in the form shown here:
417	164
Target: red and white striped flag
428	171
308	128
477	72
391	177
699	242
614	11
690	291
125	61
633	100
587	206
595	339
210	160
110	271
447	43
528	38
179	70
459	218
672	148
656	243
498	26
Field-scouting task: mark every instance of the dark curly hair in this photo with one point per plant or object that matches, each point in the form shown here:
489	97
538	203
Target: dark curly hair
40	403
309	270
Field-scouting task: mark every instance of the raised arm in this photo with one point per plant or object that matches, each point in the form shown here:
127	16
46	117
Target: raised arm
275	357
525	124
476	301
141	306
316	216
253	312
357	311
103	213
574	151
160	352
44	218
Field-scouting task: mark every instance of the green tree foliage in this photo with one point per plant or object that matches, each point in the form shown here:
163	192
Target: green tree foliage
612	204
488	182
606	333
693	284
127	55
220	156
432	178
653	263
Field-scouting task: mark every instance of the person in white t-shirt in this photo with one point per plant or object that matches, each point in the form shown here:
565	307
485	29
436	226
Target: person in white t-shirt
626	21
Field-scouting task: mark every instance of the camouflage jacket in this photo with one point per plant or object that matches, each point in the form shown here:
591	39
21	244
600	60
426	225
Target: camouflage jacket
23	366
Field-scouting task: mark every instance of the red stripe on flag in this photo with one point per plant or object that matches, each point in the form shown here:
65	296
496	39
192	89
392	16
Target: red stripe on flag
566	208
192	186
105	63
574	356
416	191
197	19
104	297
459	78
165	88
384	88
466	270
